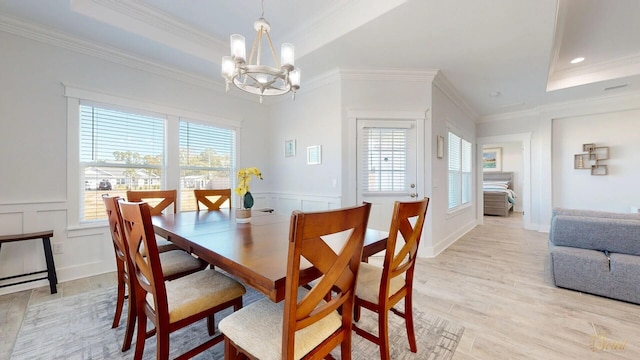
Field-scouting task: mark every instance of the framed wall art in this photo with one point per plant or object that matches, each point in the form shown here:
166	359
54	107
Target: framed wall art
492	159
314	155
289	148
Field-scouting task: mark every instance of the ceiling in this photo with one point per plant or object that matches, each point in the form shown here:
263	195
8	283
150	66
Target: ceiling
501	55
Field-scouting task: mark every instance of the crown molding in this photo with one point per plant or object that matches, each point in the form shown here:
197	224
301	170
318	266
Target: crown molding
602	71
442	83
53	38
151	23
339	19
596	105
364	74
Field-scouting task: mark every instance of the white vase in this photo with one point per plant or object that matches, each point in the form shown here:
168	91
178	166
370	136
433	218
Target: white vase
243	216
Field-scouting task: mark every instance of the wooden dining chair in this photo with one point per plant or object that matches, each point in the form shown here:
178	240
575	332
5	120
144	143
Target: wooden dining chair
212	199
305	326
175	304
158	201
379	289
175	263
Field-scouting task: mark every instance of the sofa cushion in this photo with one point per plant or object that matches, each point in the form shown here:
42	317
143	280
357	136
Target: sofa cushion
616	235
580	269
595	213
623	284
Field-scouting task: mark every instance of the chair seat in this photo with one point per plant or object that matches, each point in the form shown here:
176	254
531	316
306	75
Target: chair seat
177	262
257	328
197	292
165	245
369	278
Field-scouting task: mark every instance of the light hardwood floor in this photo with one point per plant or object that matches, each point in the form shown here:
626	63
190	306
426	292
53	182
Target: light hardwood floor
495	282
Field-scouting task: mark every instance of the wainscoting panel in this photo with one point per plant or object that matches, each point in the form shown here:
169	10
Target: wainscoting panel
84	251
285	203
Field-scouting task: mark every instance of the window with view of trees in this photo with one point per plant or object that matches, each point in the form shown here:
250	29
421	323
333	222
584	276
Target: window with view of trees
119	151
459	156
123	149
206	160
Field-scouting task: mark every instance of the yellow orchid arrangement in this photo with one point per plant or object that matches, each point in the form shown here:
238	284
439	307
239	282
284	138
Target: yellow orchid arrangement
244	178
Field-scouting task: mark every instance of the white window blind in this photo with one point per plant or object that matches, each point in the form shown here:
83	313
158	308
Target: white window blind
384	159
454	170
119	150
466	171
207	156
460	164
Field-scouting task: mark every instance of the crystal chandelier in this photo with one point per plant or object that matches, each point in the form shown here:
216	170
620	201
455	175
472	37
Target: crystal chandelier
255	77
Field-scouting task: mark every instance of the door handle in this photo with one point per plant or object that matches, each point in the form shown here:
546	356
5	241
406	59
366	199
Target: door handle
413	195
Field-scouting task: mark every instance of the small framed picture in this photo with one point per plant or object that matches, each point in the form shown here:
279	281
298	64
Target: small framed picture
492	159
289	148
314	155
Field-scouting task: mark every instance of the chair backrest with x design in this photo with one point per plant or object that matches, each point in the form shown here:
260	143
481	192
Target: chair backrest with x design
212	199
339	271
158	200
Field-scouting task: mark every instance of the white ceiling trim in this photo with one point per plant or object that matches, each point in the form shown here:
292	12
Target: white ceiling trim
51	37
388	74
336	22
100	96
151	23
580	107
450	91
148	22
602	71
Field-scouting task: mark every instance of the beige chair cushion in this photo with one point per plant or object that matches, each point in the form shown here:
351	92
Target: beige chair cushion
257	328
178	261
163	245
369	278
197	292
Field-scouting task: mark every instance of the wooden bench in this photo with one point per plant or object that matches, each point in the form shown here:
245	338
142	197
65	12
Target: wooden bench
48	254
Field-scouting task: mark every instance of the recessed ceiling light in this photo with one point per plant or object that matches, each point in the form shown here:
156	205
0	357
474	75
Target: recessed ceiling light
577	60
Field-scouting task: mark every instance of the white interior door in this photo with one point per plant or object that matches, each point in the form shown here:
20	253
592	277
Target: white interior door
386	166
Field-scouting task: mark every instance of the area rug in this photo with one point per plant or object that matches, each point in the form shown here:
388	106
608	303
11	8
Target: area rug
79	327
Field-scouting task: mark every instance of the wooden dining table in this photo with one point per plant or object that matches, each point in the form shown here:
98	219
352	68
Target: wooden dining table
255	253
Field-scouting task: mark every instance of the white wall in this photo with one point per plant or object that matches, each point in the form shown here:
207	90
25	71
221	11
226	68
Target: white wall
33	143
314	118
578	189
447	227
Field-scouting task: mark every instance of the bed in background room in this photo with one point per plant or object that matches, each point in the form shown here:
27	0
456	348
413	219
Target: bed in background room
499	196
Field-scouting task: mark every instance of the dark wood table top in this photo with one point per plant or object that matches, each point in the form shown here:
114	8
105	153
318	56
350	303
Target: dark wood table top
256	253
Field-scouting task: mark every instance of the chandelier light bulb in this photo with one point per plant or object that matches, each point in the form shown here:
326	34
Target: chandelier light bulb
287	54
238	48
294	78
228	66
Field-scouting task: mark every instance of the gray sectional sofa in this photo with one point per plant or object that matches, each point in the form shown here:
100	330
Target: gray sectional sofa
596	252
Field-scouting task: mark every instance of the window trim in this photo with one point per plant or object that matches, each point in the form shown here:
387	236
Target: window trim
462	206
173	115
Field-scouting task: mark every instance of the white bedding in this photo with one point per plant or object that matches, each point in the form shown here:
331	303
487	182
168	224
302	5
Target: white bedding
500	186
